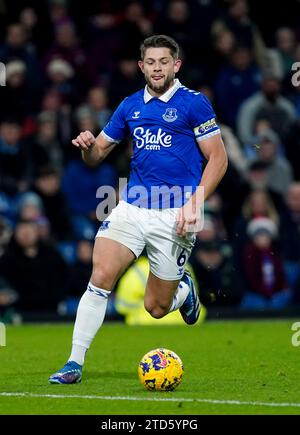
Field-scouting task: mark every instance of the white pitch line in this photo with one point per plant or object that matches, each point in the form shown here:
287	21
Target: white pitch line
152	399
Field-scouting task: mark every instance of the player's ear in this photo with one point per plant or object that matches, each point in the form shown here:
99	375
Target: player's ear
177	65
141	65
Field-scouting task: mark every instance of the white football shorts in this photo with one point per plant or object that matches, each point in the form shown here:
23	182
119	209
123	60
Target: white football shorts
153	229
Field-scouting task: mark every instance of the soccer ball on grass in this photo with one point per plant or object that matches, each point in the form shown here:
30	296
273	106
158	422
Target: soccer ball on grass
160	370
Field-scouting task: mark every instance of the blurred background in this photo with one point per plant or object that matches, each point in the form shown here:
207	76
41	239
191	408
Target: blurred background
68	65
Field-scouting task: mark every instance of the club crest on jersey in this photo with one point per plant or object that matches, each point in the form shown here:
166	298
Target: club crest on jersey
170	114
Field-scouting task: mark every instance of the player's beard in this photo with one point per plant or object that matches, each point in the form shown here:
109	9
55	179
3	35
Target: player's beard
160	88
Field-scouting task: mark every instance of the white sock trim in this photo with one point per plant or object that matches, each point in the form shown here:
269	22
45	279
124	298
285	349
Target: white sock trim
98	291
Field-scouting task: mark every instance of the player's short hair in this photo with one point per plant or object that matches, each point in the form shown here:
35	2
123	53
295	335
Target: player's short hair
158	41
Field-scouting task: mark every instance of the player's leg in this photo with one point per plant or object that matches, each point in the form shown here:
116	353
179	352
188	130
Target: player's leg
110	260
169	286
164	296
159	295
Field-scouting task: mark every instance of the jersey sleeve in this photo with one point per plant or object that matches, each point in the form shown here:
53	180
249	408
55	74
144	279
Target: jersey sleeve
116	128
203	118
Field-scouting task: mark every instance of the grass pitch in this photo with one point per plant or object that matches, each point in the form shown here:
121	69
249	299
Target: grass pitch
241	367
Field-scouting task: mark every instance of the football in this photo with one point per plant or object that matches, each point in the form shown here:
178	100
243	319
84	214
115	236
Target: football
160	370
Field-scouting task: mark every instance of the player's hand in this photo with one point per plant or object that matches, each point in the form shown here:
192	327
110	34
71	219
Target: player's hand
187	219
85	140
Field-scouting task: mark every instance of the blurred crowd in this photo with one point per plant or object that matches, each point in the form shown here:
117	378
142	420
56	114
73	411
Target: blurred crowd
69	65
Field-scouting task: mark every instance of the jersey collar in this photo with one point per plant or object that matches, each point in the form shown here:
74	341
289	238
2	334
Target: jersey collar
164	97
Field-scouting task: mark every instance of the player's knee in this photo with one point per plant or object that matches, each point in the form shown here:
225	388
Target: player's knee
102	278
156	310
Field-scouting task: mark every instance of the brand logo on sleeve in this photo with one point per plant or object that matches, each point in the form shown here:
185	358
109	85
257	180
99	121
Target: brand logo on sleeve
206	127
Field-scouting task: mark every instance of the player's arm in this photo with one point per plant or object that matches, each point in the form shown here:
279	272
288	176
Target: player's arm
214	151
93	150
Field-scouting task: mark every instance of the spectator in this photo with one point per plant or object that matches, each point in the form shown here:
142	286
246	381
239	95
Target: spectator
47	150
60	76
254	178
290	233
257	177
279	171
103	37
286	47
97	100
81	270
15	171
177	22
48	186
282	59
268	104
267	284
30	206
237	20
231	203
5	235
17	98
292	146
15	47
53	102
34	270
223	44
257	204
213	210
8	295
86	119
214	268
58	11
67	48
80	184
235	83
38	27
8	299
250	149
126	80
134	27
79	274
234	149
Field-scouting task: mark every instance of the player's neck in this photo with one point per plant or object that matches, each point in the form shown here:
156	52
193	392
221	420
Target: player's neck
159	94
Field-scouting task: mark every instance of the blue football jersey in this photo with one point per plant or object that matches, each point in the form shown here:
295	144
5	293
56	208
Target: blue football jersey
166	165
